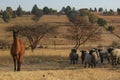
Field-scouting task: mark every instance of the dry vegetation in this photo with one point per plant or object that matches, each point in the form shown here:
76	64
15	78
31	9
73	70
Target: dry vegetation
50	64
61	20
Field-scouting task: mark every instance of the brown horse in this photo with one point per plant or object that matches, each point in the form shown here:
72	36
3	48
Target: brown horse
17	51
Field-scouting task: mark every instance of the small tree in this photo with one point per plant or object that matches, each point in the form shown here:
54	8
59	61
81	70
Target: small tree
108	13
68	10
110	28
33	32
90	10
100	9
46	10
37	13
118	11
81	31
1	12
35	10
62	10
95	9
9	11
6	16
19	11
102	22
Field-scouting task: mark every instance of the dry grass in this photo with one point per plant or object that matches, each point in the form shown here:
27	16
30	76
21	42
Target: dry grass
54	18
80	74
62	29
49	64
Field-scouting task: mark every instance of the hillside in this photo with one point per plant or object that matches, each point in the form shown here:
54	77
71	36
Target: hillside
61	20
112	21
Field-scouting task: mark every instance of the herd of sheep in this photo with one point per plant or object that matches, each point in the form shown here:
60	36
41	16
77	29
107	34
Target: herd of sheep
90	58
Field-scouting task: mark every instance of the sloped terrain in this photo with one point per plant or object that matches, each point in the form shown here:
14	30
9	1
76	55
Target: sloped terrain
63	22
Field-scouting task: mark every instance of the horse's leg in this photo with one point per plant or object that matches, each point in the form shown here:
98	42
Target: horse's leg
14	60
19	62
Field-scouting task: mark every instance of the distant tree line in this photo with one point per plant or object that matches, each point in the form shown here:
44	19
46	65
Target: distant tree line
9	13
101	10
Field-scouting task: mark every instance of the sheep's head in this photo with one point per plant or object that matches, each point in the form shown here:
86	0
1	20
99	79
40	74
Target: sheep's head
110	49
73	50
99	50
82	50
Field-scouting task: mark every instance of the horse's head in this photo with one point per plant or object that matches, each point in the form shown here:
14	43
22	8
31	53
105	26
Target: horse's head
15	33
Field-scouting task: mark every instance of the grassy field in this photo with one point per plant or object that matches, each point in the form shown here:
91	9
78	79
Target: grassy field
107	38
50	64
54	64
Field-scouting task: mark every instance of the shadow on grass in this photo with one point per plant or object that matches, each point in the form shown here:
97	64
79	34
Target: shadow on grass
49	63
39	62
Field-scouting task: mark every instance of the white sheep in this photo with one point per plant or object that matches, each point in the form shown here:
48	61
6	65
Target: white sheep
115	55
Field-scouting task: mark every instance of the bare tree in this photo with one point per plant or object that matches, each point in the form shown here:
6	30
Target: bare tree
33	32
82	31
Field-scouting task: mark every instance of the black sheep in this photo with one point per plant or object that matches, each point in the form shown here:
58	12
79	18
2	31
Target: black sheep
73	56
